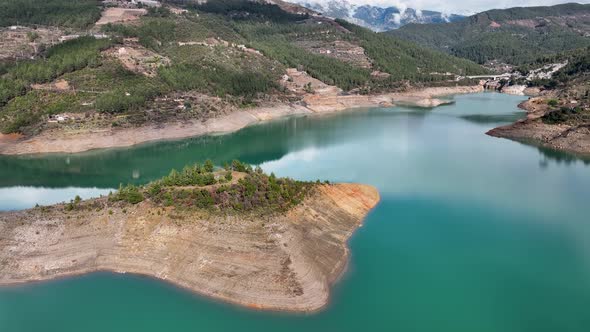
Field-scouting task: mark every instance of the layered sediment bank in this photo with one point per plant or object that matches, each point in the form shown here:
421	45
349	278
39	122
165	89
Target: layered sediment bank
279	262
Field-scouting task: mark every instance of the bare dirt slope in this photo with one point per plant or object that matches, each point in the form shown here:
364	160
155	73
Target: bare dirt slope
283	262
120	15
24	42
137	58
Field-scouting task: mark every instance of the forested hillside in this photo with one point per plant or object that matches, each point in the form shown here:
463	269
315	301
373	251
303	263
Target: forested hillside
514	36
66	13
196	61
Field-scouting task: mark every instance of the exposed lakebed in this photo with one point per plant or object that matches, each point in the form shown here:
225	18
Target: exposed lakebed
473	233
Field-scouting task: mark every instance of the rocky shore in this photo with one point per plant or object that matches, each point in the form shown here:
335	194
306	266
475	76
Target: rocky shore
73	142
283	262
573	138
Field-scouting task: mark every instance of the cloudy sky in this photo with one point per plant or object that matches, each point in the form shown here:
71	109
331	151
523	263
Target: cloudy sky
455	6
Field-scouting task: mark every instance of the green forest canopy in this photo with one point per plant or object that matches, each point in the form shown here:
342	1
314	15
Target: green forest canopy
492	36
62	13
220	71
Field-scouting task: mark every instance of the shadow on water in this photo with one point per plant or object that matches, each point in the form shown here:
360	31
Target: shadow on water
560	157
554	155
492	118
143	163
255	144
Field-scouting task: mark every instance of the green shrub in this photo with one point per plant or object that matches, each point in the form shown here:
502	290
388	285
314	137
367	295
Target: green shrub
130	194
159	12
208	167
204	199
238	166
195	175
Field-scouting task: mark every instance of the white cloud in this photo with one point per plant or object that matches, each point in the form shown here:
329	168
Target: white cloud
455	6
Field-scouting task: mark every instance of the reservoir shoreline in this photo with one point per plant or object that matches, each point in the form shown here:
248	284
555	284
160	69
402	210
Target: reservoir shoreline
60	142
574	139
438	216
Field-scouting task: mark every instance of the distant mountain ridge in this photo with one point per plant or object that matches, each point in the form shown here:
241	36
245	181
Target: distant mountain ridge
375	17
515	35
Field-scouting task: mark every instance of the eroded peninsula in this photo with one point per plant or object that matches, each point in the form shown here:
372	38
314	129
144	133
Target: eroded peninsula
565	128
236	235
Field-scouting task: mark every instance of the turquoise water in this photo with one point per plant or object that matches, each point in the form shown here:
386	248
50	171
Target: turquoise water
473	233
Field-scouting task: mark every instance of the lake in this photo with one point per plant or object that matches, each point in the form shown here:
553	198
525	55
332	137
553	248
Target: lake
473	233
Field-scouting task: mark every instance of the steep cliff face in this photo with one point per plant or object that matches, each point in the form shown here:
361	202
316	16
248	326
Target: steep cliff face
281	262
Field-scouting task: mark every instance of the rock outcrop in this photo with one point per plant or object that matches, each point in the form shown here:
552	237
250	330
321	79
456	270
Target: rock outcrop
573	138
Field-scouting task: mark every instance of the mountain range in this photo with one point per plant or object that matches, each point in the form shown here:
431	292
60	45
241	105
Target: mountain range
515	35
375	17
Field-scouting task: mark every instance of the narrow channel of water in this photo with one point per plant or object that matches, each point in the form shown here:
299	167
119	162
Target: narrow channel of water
473	233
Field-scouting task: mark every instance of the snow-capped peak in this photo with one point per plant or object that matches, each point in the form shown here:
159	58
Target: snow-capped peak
376	17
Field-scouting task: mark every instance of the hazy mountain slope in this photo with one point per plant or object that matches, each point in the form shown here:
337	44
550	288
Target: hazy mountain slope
375	17
516	35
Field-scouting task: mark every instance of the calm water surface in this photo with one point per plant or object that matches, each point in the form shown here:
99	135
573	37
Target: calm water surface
473	233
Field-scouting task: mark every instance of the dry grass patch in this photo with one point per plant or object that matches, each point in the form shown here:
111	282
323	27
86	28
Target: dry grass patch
120	15
137	58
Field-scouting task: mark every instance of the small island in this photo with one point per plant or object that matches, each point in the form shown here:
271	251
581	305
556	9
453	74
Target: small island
234	234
